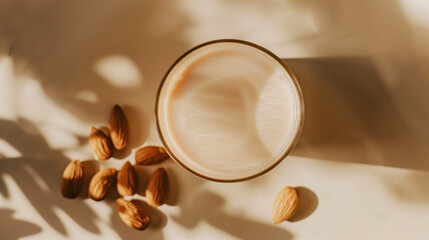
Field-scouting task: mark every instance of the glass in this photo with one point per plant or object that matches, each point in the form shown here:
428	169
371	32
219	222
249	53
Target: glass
177	72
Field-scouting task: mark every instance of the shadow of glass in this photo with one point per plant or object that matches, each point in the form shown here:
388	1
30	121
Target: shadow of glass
350	116
307	204
14	229
207	207
371	110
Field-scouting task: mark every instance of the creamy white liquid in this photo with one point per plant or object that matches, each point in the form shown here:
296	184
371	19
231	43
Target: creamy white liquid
230	111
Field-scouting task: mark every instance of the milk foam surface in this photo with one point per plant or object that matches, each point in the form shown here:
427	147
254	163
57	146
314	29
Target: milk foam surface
230	110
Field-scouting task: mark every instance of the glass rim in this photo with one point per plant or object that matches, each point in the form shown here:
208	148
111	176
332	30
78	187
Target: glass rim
297	133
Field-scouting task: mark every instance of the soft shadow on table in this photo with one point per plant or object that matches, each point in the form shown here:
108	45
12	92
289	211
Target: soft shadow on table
206	207
307	204
350	116
90	168
151	232
143	175
158	220
13	229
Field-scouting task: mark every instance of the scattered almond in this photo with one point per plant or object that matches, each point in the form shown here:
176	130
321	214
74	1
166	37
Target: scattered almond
157	189
127	180
71	182
100	144
101	183
118	127
150	155
285	205
131	214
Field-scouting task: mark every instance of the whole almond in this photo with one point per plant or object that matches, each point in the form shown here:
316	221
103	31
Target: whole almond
157	189
118	127
127	180
285	205
71	182
100	144
132	214
101	183
150	155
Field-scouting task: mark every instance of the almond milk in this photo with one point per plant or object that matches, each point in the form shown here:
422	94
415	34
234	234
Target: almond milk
228	111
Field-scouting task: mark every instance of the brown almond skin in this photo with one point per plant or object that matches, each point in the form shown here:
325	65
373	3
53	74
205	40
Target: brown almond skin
158	188
100	143
150	155
127	180
118	128
285	205
131	214
101	183
71	182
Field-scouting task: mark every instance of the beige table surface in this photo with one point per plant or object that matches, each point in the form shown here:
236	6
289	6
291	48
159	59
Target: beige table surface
362	164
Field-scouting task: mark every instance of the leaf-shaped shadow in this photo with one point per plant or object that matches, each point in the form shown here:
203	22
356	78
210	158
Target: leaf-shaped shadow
12	229
3	189
38	174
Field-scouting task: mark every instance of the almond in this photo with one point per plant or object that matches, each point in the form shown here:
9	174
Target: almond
71	182
157	189
100	144
127	180
150	155
131	214
118	128
285	205
101	183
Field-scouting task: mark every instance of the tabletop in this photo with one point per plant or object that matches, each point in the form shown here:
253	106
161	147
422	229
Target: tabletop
361	166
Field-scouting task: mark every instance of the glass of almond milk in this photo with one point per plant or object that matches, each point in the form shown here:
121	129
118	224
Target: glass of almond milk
229	110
